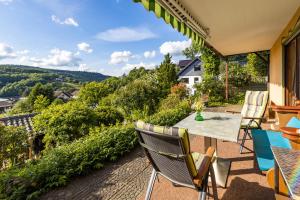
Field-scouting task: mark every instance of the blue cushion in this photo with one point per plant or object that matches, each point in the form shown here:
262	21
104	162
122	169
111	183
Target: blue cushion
294	122
262	142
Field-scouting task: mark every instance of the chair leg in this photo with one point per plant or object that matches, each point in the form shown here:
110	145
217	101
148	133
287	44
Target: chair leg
202	193
243	140
150	185
213	182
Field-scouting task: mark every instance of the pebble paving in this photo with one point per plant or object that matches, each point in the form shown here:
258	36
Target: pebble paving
125	179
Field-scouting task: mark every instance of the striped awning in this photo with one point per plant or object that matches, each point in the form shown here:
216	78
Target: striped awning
179	25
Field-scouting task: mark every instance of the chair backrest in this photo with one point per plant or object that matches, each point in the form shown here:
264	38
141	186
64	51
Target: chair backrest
255	103
168	149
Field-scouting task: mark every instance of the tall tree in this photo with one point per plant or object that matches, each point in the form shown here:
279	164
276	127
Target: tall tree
39	89
167	73
193	51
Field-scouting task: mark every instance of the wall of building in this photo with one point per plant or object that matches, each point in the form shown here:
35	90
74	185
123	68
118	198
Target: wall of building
276	84
191	82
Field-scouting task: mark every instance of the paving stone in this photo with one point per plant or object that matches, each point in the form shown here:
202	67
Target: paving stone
124	179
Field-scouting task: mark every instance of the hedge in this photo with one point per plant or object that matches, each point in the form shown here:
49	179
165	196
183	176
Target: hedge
170	117
58	165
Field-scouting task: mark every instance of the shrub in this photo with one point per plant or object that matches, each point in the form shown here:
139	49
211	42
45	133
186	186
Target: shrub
13	145
60	164
108	116
22	106
171	116
91	93
41	103
140	95
180	90
170	102
64	123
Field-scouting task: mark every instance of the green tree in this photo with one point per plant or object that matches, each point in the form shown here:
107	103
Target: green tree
40	89
211	85
167	74
256	66
13	145
41	103
211	63
22	106
91	93
193	51
64	123
139	95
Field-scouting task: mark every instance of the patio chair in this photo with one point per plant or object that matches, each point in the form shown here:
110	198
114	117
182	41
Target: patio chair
168	150
252	112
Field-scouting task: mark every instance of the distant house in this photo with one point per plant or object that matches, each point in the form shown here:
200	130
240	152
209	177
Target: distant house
75	94
5	105
190	73
65	96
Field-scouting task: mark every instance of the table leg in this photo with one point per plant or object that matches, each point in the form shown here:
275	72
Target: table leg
221	166
276	177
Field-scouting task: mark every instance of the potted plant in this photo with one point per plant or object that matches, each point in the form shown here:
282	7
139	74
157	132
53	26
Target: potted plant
199	108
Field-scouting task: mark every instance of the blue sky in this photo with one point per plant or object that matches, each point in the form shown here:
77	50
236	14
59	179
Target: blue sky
106	36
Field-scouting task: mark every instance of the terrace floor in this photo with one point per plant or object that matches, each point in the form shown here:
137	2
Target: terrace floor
128	178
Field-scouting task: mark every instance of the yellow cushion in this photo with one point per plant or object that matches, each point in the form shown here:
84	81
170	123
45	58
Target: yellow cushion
201	163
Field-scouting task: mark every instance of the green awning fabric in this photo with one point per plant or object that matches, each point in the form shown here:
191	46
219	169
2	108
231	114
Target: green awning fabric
160	12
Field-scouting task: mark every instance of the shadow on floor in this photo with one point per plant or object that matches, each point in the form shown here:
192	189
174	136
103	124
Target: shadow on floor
242	189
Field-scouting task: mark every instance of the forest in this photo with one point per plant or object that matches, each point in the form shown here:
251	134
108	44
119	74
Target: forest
17	80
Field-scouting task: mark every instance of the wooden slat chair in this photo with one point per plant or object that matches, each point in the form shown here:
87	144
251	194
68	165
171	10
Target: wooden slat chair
252	112
168	150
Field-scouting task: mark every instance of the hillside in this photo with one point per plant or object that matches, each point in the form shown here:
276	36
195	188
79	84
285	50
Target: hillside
15	80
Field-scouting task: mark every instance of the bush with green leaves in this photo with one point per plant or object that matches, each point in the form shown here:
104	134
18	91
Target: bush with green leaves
13	146
41	103
170	117
107	115
138	96
40	89
63	123
91	93
22	106
58	165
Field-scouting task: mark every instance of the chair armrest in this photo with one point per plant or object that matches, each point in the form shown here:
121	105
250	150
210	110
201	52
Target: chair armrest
233	111
210	152
204	170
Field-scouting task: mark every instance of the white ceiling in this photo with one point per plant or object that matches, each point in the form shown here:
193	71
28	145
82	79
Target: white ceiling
240	26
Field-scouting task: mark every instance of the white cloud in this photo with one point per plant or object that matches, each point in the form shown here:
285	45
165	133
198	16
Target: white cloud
85	47
6	51
129	67
149	54
23	59
68	21
6	2
119	57
83	67
125	34
174	47
58	58
23	52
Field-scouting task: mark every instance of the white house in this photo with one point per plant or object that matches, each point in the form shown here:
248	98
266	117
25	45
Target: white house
190	73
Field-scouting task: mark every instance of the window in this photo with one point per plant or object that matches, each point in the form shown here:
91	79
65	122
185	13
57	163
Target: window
292	71
196	80
197	67
184	80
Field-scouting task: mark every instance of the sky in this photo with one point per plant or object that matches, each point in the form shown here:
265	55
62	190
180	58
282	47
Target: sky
106	36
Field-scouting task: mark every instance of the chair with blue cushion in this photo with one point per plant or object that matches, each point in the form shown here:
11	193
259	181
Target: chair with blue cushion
264	139
168	150
262	142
